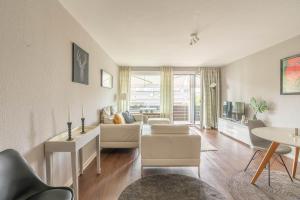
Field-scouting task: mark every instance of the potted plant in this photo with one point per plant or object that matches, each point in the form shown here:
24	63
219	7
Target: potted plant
258	106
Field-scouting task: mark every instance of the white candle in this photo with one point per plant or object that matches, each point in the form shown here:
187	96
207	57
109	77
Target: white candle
69	114
82	111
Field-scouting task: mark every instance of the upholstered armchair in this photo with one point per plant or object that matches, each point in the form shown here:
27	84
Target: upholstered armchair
170	146
18	182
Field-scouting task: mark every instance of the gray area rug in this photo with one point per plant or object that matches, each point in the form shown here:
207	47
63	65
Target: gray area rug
281	187
170	187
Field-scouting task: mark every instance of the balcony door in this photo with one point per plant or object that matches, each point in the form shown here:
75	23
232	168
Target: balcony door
186	99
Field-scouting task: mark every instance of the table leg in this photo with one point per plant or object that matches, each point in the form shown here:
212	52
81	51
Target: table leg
81	161
49	161
295	162
265	161
74	160
98	149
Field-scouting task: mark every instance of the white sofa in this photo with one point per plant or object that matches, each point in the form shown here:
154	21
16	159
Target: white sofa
120	135
170	146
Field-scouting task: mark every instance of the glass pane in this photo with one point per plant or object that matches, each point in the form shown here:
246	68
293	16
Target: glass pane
182	98
197	99
145	93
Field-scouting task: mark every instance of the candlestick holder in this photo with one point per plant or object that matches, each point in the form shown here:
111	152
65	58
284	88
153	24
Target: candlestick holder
69	131
82	125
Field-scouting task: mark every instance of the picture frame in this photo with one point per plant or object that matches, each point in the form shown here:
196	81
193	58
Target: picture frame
80	65
106	79
290	75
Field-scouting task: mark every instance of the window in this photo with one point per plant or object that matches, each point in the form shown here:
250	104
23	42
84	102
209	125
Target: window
145	92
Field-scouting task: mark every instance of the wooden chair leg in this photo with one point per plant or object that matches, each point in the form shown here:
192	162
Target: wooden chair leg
295	162
265	161
142	169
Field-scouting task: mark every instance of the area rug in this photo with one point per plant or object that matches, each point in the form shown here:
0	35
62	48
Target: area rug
281	187
170	187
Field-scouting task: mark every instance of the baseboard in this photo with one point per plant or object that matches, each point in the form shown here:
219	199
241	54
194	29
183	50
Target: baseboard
85	165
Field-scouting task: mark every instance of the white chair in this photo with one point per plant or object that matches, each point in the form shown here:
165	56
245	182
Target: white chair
170	146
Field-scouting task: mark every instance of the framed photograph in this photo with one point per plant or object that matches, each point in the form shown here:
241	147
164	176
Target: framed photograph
80	65
290	75
106	79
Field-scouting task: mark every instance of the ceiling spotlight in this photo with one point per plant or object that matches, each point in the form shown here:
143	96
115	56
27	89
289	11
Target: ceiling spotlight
194	38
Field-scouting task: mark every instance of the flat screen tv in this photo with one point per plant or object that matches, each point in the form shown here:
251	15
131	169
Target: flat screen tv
227	109
233	110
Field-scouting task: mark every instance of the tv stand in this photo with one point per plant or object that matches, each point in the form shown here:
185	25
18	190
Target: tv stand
234	129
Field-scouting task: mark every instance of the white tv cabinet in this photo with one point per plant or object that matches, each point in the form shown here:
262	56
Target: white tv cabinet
235	130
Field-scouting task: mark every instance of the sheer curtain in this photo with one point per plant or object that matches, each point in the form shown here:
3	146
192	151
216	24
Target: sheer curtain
166	92
124	88
210	97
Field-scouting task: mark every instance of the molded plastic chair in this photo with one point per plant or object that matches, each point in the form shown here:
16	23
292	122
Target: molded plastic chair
18	182
261	145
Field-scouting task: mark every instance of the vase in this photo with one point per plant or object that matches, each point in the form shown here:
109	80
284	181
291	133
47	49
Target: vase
254	117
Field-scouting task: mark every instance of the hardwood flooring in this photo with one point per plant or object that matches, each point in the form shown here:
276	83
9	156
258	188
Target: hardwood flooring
121	167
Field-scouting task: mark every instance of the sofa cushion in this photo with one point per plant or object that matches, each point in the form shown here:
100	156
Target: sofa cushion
113	110
169	129
118	119
108	120
128	117
107	111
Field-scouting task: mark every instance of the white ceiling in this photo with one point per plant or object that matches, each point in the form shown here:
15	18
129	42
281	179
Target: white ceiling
157	32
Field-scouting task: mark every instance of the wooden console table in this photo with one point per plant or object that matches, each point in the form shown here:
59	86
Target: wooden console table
59	143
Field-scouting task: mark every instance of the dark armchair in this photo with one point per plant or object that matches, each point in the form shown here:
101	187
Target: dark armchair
18	182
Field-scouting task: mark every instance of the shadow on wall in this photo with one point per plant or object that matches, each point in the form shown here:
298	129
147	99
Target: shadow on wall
35	156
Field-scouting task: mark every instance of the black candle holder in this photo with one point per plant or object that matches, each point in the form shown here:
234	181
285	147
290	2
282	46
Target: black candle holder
69	131
82	125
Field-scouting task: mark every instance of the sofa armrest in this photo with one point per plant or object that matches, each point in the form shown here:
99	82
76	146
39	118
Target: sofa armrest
138	117
120	132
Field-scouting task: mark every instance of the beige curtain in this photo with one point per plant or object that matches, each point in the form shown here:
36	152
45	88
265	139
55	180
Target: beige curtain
166	92
210	97
124	88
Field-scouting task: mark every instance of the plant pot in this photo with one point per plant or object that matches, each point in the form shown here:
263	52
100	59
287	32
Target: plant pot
254	117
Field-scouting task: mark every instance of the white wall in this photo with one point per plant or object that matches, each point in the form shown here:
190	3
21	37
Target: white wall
35	80
258	75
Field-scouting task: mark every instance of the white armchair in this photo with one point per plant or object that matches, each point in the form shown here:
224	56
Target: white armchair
170	146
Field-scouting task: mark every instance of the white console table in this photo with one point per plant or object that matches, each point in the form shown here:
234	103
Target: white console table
235	130
59	143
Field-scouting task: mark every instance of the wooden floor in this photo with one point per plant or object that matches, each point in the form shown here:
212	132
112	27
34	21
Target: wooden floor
122	167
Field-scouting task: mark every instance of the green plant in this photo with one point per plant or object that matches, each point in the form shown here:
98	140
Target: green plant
258	106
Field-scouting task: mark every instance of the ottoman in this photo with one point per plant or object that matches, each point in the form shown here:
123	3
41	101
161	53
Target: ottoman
152	121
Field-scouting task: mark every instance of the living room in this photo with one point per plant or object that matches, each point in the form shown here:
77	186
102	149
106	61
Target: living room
211	89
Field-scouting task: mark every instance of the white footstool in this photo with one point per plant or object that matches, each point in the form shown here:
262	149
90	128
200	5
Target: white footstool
152	121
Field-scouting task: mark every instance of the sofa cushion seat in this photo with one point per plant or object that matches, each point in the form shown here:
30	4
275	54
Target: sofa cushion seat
61	194
169	129
152	121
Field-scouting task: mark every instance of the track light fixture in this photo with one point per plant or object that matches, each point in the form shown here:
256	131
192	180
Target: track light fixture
194	38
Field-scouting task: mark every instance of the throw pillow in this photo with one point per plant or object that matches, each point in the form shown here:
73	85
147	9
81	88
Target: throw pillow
128	117
118	119
107	111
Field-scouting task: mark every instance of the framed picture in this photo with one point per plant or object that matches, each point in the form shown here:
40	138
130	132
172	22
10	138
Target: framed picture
80	65
290	75
106	79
